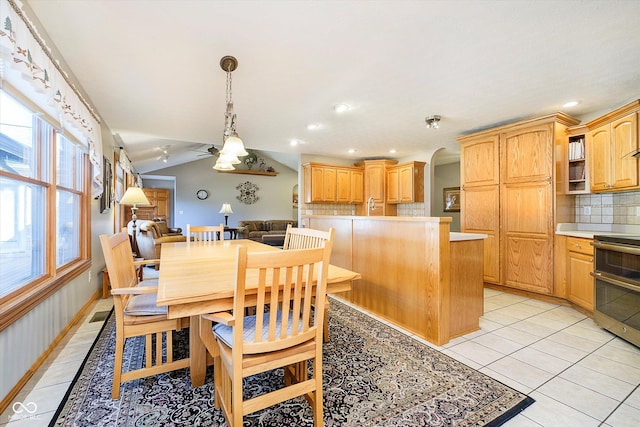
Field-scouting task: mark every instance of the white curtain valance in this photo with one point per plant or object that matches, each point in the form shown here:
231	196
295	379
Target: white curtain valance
27	64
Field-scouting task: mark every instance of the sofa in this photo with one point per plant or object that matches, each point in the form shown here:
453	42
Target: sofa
255	229
149	239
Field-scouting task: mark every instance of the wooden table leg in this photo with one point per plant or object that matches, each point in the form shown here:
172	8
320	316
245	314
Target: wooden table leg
197	353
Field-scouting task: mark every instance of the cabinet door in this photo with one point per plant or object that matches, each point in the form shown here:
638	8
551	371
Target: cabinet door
479	160
581	285
480	213
375	177
162	204
405	184
527	155
329	184
317	184
600	158
356	179
343	186
527	226
624	139
393	186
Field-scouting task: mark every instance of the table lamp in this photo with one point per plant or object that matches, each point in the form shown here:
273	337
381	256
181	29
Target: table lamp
134	196
226	210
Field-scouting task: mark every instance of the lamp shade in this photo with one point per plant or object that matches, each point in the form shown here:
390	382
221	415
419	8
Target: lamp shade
233	145
225	209
231	159
134	196
222	166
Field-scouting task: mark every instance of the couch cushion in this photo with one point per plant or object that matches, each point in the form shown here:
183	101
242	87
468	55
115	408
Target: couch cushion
280	224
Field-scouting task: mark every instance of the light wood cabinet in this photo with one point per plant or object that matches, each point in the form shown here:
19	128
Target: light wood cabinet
508	192
480	197
375	185
580	287
574	173
356	181
479	160
483	204
332	184
405	183
158	208
612	138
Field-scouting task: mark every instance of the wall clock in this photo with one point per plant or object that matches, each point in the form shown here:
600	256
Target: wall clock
202	194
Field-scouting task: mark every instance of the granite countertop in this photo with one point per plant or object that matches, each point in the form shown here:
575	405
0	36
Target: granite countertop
587	231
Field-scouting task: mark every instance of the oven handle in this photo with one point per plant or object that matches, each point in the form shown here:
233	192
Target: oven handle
633	250
599	276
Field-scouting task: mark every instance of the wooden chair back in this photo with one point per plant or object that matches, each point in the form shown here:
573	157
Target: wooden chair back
205	233
295	321
137	314
118	256
305	238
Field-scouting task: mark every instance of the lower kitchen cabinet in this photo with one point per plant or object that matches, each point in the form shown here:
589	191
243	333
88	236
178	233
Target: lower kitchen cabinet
579	268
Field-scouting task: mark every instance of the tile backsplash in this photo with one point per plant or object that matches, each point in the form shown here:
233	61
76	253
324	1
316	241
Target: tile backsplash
608	208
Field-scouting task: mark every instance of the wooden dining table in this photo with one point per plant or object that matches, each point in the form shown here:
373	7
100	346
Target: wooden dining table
199	277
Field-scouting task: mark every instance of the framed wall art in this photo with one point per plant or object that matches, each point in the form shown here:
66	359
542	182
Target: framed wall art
451	198
107	186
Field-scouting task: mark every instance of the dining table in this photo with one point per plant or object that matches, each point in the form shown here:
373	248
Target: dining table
199	277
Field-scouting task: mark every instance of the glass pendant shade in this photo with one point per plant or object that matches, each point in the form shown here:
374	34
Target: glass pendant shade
231	159
221	166
233	145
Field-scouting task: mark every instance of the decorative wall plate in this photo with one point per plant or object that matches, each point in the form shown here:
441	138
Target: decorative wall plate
248	194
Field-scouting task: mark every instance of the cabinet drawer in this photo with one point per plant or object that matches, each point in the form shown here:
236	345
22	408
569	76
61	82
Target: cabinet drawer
576	244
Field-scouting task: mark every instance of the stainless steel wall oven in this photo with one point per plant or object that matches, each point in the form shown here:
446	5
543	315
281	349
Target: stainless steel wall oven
617	285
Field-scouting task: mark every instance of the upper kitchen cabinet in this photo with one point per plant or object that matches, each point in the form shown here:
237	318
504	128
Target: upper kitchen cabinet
375	188
613	137
526	154
405	183
332	184
479	160
573	175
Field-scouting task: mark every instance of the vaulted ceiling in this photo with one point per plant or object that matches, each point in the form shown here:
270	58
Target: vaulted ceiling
151	69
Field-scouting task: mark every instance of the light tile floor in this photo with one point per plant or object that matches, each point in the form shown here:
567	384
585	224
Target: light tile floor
579	374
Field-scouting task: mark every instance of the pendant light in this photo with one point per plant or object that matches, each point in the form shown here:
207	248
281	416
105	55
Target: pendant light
232	144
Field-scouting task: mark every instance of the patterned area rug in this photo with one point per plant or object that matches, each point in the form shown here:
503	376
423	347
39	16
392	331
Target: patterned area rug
373	376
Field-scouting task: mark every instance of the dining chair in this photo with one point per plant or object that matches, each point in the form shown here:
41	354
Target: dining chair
205	233
137	314
304	238
288	337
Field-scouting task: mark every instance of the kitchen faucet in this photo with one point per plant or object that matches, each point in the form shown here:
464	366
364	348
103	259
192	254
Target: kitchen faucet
371	204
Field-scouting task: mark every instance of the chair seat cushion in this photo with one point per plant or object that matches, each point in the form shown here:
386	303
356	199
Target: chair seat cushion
225	333
144	305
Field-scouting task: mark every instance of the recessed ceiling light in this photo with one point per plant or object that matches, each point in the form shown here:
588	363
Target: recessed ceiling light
294	142
340	108
570	104
351	150
393	151
313	126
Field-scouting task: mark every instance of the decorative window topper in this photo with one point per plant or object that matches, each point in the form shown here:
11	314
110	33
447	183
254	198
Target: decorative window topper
248	194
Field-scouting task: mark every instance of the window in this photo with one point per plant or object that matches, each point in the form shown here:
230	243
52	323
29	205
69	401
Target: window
43	201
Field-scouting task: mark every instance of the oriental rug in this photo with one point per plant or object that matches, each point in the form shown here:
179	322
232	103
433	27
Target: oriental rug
373	375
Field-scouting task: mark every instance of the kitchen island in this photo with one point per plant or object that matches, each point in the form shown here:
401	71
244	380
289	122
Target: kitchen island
415	272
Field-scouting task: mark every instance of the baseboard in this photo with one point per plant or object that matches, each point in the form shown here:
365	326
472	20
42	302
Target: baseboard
4	404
